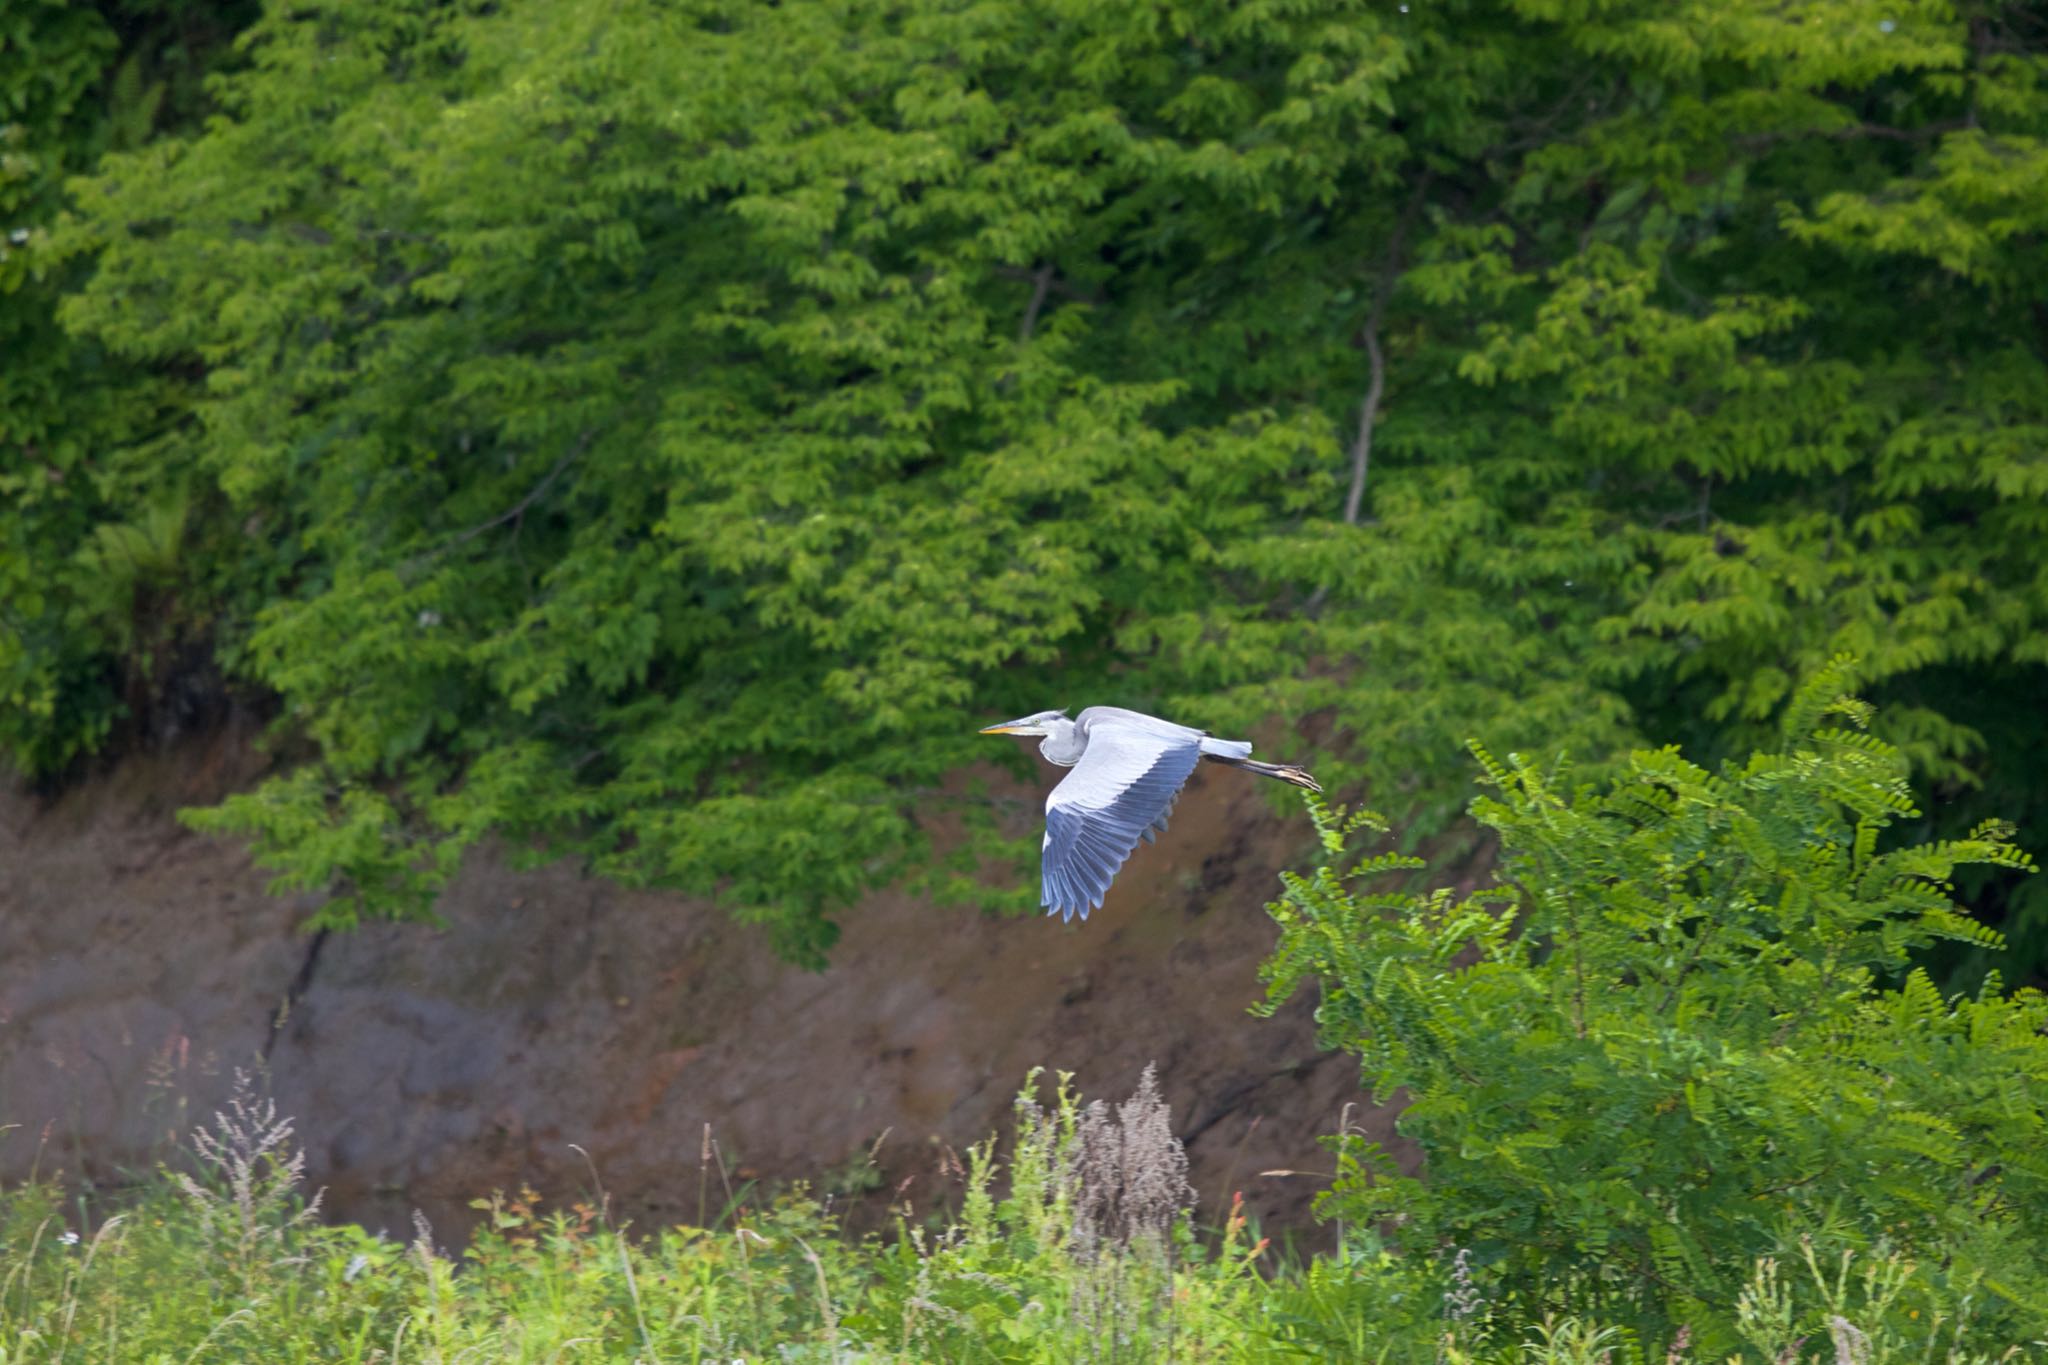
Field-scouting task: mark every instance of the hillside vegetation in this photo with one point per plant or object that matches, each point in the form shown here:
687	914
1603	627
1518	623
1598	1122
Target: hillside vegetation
1666	1107
661	432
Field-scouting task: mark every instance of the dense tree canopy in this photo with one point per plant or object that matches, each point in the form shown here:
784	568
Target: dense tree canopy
663	432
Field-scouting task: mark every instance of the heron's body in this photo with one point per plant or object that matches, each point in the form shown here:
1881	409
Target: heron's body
1128	770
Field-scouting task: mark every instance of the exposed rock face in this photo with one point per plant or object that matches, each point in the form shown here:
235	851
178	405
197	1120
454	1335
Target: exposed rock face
140	963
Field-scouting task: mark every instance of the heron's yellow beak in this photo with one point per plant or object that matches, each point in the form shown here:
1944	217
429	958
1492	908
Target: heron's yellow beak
1009	728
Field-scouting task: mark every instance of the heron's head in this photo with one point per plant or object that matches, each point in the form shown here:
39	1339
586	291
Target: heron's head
1042	723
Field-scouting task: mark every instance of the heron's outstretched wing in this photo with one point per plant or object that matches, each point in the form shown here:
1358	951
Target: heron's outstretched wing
1118	793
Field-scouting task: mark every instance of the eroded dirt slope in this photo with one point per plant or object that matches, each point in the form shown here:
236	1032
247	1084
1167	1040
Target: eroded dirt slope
140	963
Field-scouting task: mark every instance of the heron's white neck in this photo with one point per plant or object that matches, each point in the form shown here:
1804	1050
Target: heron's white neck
1063	744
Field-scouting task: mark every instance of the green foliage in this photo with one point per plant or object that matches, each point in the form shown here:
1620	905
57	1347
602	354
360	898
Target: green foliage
1665	1048
227	1262
1075	1249
108	593
654	432
53	702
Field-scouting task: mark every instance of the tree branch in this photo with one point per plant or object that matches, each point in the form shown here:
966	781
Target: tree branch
1041	281
1368	415
518	509
533	495
1760	141
1369	335
1376	383
1066	289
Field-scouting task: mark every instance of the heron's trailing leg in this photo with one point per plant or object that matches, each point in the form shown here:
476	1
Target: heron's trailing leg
1286	772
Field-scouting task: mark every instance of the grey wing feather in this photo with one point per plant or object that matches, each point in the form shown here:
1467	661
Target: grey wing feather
1120	792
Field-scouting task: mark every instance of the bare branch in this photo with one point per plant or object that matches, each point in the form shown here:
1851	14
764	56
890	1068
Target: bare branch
1041	281
1368	414
513	513
1066	289
533	495
1855	131
1369	337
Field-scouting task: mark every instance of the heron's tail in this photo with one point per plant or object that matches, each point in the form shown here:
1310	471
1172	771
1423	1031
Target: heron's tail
1286	772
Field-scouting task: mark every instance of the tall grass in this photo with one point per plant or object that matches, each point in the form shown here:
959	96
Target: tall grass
1076	1247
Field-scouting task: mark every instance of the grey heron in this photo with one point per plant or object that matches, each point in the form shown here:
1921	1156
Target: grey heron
1128	769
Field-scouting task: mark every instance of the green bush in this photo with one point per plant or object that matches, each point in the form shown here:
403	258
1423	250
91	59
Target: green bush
1676	1041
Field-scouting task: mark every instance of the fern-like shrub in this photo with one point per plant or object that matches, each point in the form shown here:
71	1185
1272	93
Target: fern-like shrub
1684	1034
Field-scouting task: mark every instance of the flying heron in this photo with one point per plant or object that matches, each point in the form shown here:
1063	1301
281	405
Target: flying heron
1128	771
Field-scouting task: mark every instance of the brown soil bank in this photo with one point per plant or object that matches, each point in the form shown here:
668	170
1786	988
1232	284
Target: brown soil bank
140	963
